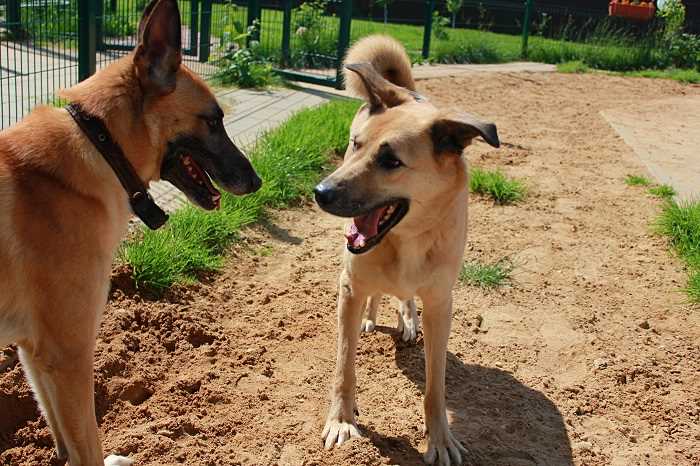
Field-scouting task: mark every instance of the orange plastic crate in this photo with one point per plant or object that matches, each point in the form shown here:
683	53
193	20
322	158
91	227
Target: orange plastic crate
636	12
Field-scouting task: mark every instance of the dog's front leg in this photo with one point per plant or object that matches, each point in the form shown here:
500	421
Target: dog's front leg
443	448
340	423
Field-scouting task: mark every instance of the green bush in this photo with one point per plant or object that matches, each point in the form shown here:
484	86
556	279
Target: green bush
314	36
673	14
440	24
683	51
244	67
230	27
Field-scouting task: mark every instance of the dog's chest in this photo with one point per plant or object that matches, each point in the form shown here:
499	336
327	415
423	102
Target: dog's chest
402	272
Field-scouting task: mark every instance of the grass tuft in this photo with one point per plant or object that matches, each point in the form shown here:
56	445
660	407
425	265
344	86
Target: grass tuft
636	180
486	275
663	191
681	223
290	163
496	185
576	66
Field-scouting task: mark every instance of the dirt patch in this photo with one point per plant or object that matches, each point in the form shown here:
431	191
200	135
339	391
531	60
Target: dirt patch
589	358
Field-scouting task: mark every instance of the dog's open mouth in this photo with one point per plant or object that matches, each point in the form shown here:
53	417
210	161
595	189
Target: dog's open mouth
182	170
366	231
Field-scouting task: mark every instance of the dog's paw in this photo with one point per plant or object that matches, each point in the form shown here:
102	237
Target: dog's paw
444	450
408	328
336	432
114	460
368	326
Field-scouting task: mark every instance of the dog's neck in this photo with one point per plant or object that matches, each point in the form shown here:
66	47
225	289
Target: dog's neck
111	94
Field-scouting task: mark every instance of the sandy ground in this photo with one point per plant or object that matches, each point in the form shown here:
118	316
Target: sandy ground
665	134
589	357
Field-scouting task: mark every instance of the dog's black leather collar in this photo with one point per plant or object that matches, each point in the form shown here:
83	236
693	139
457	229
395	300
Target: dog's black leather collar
141	202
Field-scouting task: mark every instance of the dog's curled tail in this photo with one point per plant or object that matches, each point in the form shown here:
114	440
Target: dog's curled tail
386	55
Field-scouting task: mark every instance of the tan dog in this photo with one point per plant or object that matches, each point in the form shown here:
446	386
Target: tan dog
63	212
404	184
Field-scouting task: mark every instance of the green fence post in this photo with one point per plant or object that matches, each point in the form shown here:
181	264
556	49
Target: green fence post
194	26
526	26
87	38
205	32
428	29
13	17
345	13
286	31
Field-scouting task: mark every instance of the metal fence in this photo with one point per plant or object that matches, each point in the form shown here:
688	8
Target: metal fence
46	45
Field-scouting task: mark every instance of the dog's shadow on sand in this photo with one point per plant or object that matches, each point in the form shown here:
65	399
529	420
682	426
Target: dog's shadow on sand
499	420
279	233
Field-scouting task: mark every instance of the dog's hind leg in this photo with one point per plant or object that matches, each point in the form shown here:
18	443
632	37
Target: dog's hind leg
59	361
370	321
41	393
340	423
64	379
443	448
407	320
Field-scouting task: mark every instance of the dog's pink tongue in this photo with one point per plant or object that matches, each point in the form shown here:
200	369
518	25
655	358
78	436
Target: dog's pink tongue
363	228
354	237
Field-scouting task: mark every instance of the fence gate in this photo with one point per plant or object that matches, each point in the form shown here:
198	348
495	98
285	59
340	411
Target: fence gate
313	39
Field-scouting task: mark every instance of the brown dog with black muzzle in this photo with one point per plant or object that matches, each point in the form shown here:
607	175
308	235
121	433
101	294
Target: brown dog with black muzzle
63	211
404	184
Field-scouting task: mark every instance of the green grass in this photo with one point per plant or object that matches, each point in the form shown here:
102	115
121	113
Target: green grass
689	76
576	66
681	223
290	160
486	275
636	180
496	185
662	191
684	76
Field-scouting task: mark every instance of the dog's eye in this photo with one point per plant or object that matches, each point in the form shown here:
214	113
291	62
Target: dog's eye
213	123
388	160
355	145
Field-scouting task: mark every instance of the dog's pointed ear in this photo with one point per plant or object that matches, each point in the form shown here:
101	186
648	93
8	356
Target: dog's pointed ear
159	53
454	131
144	19
379	92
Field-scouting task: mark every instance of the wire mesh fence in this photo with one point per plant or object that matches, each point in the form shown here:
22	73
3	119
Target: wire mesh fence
38	54
49	44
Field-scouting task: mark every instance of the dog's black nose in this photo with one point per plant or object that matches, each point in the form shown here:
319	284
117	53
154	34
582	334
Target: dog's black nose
255	183
325	195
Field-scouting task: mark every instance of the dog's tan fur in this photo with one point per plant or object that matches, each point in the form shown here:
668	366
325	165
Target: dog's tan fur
422	254
62	215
